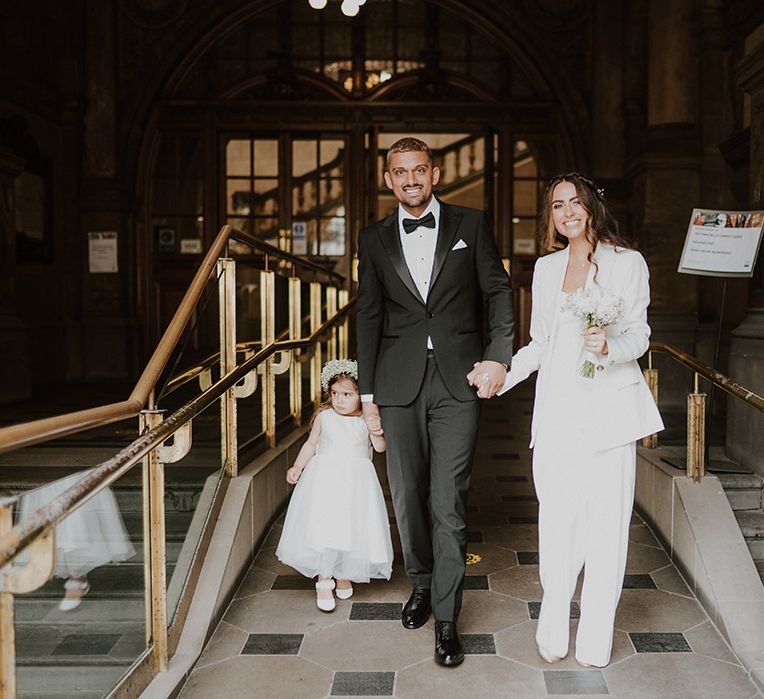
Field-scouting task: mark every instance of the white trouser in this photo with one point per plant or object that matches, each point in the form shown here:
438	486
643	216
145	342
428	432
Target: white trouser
585	502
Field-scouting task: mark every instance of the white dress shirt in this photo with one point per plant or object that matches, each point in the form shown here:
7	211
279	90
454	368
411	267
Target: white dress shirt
419	253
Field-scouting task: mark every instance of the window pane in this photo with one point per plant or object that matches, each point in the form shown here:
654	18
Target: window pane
304	157
332	153
525	163
237	157
191	196
267	158
304	197
331	192
524	231
241	224
266	197
267	229
525	198
333	236
239	196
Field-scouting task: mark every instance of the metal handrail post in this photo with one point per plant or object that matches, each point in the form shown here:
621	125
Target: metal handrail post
331	309
316	361
344	329
226	270
696	433
268	336
651	377
295	331
7	625
154	546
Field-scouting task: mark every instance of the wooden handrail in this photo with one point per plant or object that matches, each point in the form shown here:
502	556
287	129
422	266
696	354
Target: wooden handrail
29	433
104	474
715	377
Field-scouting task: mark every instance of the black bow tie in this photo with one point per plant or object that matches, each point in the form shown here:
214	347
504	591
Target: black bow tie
410	224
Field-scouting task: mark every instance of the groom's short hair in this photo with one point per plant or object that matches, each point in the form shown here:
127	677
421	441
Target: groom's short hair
406	145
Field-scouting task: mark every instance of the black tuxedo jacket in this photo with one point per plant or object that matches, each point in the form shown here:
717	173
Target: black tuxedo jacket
468	313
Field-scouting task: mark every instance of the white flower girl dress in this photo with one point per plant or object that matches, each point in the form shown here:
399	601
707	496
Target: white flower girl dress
337	524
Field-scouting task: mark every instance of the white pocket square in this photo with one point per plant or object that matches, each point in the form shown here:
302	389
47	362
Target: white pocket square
460	245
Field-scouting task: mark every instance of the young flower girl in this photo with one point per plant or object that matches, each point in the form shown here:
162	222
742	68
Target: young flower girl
336	526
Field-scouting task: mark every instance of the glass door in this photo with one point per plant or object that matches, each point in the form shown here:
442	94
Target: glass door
289	190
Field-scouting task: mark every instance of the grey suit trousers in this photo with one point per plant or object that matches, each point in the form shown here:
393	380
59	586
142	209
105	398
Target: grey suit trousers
430	445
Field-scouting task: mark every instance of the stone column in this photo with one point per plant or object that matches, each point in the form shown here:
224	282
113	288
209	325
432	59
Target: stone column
665	179
15	377
107	328
745	426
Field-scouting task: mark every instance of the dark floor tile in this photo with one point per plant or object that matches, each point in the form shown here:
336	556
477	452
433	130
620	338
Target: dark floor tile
363	684
273	644
476	582
512	479
535	607
474	537
523	520
495	420
376	611
528	558
518	498
575	682
638	582
86	644
502	437
527	412
660	643
506	456
293	582
472	508
478	643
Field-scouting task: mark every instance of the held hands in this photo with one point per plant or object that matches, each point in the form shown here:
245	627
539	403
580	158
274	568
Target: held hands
293	475
372	419
488	377
595	340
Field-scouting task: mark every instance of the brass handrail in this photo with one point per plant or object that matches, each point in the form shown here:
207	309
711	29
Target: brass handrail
29	433
193	372
715	377
23	534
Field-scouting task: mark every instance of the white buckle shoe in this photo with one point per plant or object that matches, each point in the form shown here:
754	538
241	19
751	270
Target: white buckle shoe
66	605
325	604
344	592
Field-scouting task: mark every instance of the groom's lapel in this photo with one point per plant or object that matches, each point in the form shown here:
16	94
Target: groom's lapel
449	222
391	239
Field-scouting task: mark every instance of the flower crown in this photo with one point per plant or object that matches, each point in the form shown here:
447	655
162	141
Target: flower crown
338	367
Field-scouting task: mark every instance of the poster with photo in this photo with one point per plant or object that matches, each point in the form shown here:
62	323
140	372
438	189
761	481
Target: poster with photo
722	243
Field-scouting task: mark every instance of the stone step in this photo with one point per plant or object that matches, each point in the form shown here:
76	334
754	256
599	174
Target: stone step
751	523
81	681
743	490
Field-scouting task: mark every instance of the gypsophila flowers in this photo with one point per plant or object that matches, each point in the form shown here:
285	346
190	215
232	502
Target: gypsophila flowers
596	308
338	367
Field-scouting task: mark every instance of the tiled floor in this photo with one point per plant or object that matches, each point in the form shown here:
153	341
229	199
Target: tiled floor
274	642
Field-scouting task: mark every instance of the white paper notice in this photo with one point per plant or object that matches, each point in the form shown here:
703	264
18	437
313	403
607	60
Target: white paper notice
722	243
102	252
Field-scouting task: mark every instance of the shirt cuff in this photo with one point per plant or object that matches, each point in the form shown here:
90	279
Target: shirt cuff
367	398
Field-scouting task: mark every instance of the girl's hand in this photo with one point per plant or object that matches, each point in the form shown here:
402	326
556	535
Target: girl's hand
595	340
293	475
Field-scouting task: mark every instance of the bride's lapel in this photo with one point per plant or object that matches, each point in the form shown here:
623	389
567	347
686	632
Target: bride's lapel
603	255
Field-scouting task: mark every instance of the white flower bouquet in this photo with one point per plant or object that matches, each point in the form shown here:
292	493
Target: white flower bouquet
598	309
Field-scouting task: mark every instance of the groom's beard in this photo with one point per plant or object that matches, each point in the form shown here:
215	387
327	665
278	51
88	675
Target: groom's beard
415	199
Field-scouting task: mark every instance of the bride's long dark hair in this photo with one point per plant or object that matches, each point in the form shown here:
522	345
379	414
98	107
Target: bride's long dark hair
601	225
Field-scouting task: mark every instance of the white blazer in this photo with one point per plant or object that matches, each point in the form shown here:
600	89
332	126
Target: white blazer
624	406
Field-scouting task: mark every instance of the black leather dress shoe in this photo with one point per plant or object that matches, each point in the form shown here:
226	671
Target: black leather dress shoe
416	611
448	647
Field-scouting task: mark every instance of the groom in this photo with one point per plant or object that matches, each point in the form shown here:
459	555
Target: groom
430	283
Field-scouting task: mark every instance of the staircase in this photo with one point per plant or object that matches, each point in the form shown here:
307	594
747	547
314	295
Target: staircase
745	492
84	652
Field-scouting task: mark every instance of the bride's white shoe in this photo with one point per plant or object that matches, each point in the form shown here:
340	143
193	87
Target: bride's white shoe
547	657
